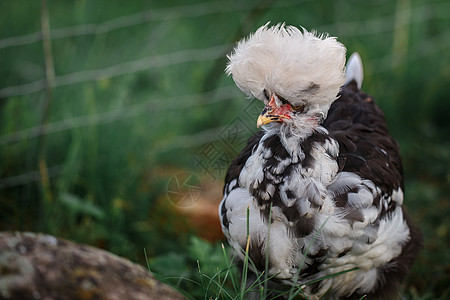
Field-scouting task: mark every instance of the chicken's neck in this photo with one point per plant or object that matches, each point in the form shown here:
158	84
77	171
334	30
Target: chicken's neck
291	136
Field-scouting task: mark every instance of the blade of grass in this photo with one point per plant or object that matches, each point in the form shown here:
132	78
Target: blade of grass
147	262
221	282
245	267
299	288
245	270
249	289
266	266
201	277
176	287
218	283
180	278
229	266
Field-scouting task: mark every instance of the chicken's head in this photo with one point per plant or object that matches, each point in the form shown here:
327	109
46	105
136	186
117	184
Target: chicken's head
296	73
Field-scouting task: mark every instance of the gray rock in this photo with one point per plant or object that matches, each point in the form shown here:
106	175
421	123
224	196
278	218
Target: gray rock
38	266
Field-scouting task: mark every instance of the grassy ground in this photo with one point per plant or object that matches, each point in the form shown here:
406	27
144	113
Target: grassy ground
139	99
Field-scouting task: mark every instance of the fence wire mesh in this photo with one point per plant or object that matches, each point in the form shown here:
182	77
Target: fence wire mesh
382	21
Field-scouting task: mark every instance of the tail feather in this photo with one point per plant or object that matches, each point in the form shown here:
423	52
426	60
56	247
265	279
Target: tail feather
354	70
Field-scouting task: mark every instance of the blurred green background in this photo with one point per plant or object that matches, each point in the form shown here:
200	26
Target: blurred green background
117	121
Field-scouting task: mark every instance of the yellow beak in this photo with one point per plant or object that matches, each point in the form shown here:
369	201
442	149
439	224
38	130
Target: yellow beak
272	113
266	118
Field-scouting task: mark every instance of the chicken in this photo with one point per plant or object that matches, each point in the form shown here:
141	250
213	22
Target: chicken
320	187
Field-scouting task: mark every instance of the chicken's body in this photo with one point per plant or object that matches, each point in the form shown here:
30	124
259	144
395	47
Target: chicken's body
322	197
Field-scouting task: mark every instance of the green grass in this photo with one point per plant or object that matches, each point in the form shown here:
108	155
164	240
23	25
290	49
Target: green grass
218	277
115	141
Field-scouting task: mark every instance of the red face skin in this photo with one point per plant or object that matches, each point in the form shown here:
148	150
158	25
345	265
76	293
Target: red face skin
283	111
272	113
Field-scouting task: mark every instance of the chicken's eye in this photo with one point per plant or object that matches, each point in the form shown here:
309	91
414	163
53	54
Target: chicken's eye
299	108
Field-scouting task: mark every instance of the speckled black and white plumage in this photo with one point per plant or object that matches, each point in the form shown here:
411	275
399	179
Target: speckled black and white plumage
334	196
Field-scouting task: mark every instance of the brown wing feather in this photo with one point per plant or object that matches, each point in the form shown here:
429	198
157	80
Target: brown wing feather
365	146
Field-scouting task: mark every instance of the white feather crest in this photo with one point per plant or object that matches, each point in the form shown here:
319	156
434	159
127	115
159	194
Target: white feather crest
295	64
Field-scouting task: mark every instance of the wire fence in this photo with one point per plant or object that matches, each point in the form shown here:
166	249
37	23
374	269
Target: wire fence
162	14
353	28
371	26
387	23
157	61
126	112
